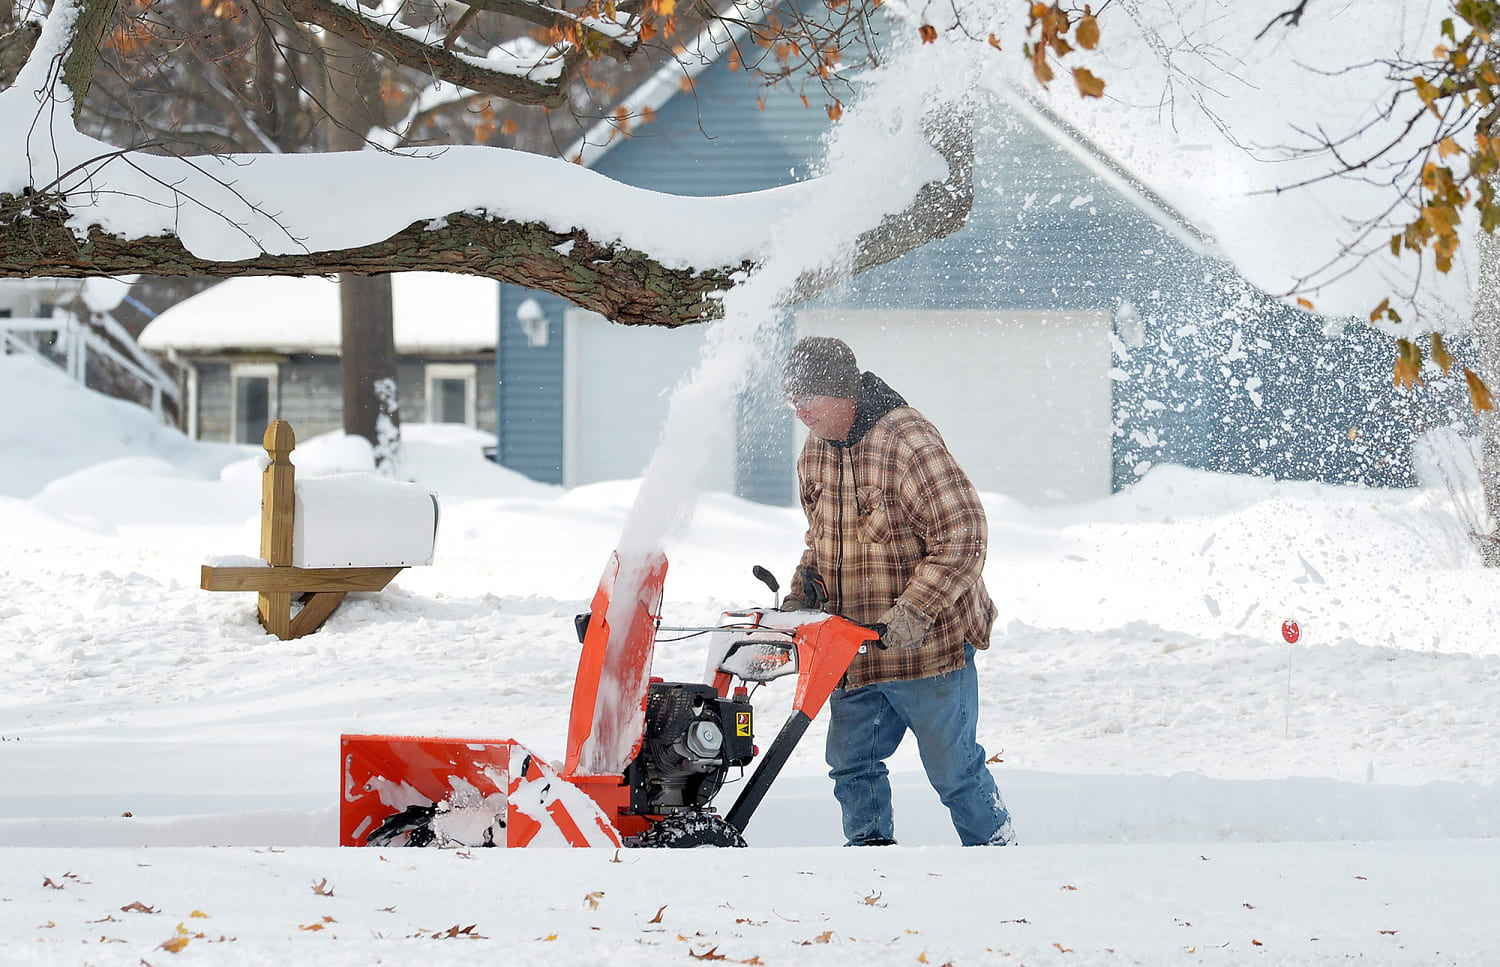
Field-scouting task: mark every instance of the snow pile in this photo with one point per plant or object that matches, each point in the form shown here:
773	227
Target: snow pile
1142	707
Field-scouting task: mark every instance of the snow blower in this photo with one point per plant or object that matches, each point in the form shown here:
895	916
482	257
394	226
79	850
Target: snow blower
645	757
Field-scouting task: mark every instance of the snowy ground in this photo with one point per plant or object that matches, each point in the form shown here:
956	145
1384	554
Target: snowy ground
1186	786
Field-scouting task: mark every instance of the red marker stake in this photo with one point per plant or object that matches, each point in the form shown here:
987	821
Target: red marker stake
1291	632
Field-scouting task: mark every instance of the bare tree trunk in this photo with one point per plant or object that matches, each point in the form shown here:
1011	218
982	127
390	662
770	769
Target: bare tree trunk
1487	348
366	324
366	331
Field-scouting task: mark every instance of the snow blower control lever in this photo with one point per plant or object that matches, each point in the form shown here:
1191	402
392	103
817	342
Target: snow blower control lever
645	757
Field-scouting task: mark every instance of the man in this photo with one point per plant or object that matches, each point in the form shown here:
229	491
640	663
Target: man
896	532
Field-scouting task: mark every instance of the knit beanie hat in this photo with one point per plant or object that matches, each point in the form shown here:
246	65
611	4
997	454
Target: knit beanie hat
821	366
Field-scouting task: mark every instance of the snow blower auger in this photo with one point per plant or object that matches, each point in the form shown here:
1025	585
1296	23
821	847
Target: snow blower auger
645	757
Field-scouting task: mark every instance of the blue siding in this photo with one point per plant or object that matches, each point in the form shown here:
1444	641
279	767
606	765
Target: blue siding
717	140
714	140
1044	233
529	391
1226	379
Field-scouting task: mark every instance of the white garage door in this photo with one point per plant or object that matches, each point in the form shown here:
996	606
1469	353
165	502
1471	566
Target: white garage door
616	385
1022	398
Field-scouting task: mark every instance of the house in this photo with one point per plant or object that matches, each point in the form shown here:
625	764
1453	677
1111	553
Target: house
251	350
1075	332
68	323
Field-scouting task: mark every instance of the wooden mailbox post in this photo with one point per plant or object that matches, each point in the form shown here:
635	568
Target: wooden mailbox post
321	589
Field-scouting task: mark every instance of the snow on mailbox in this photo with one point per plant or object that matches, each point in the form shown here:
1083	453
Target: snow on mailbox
323	537
361	520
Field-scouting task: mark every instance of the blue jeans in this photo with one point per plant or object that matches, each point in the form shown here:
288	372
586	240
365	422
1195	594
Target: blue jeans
865	726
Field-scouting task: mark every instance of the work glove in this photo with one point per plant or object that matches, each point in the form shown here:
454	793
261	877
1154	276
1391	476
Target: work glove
808	592
905	625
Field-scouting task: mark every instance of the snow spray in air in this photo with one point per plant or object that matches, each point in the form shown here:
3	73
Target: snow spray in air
876	161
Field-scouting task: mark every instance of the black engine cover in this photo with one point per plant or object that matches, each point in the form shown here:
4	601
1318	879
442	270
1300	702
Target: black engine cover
678	766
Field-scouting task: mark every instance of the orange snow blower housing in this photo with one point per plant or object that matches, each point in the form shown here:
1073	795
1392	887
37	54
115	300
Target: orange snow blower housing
644	758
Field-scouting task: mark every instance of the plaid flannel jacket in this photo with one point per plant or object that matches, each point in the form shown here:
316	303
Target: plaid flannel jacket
893	515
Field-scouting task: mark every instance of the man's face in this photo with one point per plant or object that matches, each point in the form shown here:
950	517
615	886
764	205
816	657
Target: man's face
828	417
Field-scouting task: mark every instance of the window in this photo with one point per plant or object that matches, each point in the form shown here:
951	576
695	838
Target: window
252	401
450	393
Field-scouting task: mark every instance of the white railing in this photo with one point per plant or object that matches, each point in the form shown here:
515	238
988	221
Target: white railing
73	341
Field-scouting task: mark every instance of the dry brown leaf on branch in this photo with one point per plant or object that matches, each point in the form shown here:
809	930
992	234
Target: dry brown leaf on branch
1088	84
1087	33
1039	65
1479	395
1440	354
1408	367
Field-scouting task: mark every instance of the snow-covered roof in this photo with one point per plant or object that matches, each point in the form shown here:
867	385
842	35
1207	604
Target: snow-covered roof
719	36
434	312
667	81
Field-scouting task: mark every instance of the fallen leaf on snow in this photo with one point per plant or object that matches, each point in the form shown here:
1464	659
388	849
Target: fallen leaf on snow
592	900
175	945
657	918
321	888
137	907
711	953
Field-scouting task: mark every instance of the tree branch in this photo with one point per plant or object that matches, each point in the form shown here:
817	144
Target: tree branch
15	49
939	210
430	58
1291	17
83	51
621	284
552	18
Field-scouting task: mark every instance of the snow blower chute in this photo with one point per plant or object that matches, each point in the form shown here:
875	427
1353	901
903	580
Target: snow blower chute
645	758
